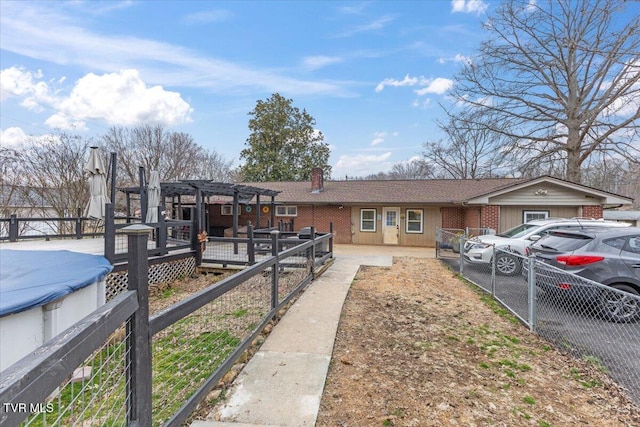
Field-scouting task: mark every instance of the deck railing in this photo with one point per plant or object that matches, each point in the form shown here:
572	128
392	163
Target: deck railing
121	366
17	228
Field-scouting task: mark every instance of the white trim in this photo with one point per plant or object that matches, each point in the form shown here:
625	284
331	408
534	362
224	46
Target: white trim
228	210
374	219
407	221
287	210
534	212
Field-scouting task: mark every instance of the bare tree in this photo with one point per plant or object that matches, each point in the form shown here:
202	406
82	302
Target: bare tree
472	149
174	154
413	169
616	175
562	78
53	176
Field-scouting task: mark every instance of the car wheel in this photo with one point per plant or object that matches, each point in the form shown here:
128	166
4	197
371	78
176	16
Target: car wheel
507	265
618	307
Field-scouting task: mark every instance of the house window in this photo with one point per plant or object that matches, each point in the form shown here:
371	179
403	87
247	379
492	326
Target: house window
228	210
286	210
414	220
532	215
368	220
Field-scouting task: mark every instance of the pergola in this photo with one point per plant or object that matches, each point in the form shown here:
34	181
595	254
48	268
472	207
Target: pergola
201	190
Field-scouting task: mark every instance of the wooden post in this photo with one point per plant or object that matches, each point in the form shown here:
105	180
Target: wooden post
162	229
331	239
79	224
258	211
275	269
13	228
251	248
235	220
139	374
112	167
195	244
109	232
313	250
143	194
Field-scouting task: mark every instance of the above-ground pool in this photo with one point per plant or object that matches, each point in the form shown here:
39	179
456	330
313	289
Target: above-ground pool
42	293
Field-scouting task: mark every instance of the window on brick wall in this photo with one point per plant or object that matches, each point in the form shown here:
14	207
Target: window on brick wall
533	215
368	220
228	210
414	220
286	210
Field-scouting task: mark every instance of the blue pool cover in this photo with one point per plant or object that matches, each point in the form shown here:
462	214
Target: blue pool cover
33	278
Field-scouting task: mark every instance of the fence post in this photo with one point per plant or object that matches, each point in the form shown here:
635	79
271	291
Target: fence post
313	250
162	230
13	228
493	270
331	238
139	374
438	240
463	240
79	224
195	244
251	248
275	269
109	232
531	294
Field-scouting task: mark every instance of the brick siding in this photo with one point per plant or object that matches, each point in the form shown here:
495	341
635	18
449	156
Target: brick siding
320	217
592	212
490	216
308	215
453	217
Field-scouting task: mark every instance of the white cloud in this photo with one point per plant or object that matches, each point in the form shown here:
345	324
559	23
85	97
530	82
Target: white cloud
469	6
207	16
361	165
437	86
625	106
375	25
377	141
316	62
26	85
424	104
124	99
407	81
117	99
457	58
12	137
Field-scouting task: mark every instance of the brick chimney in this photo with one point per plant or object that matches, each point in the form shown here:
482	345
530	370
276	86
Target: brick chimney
317	184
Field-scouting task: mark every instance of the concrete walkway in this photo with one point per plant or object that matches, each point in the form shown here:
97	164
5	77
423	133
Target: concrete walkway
282	384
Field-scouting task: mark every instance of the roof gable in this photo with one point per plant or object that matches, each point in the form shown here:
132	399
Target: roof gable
538	187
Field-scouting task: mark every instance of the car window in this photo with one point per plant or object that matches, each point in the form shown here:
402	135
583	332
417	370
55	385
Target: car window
633	245
546	231
562	242
617	243
519	230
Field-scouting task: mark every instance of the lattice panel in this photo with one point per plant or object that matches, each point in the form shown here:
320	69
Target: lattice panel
158	273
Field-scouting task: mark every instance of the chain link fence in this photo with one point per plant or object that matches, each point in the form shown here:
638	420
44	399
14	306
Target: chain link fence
580	317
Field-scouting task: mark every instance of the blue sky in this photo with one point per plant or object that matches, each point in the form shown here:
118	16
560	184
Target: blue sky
372	74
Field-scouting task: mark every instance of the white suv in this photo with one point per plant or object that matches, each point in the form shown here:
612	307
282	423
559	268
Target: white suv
479	250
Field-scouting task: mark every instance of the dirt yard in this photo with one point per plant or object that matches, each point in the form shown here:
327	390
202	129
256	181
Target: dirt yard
418	347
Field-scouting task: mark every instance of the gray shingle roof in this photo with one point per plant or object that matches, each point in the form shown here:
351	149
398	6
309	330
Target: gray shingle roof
437	191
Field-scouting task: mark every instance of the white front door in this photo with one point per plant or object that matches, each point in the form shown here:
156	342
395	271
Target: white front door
390	225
